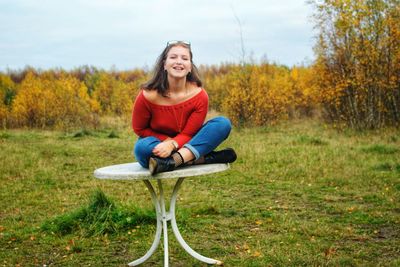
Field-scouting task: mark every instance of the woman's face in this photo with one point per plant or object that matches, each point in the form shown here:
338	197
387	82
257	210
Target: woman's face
178	63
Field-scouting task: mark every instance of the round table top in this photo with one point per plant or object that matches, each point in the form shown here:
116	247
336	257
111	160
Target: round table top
133	171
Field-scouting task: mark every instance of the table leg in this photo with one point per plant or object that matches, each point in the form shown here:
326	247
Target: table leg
178	234
162	218
164	221
157	237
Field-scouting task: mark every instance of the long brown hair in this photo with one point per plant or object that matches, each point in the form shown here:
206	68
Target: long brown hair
159	80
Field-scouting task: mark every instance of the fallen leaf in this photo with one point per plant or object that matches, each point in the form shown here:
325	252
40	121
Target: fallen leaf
246	248
258	222
330	252
257	254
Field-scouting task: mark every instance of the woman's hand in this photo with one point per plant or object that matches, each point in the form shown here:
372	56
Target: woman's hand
164	149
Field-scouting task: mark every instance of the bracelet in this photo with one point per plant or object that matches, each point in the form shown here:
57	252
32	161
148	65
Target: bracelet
175	144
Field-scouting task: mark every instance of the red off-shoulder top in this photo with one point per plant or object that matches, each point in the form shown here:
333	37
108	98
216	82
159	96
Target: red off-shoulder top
179	122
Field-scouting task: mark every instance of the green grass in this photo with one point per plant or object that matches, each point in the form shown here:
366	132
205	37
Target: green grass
381	149
101	216
300	194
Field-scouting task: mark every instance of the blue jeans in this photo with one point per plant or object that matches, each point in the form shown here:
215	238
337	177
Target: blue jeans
210	135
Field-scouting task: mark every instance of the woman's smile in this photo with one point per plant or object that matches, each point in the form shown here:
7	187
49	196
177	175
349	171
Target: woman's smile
178	63
179	68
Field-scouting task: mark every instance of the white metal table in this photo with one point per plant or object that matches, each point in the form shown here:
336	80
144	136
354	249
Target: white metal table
133	171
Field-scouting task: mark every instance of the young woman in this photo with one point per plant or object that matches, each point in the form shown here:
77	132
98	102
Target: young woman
169	113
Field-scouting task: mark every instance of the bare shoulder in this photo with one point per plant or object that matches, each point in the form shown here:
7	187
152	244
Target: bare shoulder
194	89
151	95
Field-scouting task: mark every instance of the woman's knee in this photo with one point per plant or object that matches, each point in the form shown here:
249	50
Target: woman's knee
140	147
143	145
224	124
144	162
143	149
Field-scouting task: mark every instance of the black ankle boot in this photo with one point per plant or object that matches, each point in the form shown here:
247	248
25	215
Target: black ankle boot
226	155
157	165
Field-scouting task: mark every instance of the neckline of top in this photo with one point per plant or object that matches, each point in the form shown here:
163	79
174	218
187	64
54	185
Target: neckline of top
174	105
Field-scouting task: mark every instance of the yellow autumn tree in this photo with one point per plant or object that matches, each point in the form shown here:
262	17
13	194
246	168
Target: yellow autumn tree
53	101
7	94
216	82
258	94
306	96
358	61
115	96
134	78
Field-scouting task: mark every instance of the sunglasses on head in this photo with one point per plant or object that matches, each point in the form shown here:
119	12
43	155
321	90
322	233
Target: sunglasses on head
175	42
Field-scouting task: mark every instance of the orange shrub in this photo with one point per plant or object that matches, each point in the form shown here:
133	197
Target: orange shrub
115	95
254	94
53	102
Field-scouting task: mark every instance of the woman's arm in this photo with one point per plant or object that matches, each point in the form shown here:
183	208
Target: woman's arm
141	115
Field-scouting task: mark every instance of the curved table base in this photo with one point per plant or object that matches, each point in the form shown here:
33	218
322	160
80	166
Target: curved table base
162	218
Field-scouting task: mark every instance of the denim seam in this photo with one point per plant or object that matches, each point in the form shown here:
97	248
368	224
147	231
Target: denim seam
193	150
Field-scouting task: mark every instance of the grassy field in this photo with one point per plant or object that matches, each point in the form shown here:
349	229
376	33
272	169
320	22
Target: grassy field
300	194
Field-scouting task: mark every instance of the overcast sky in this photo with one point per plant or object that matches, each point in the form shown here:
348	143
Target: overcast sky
126	34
